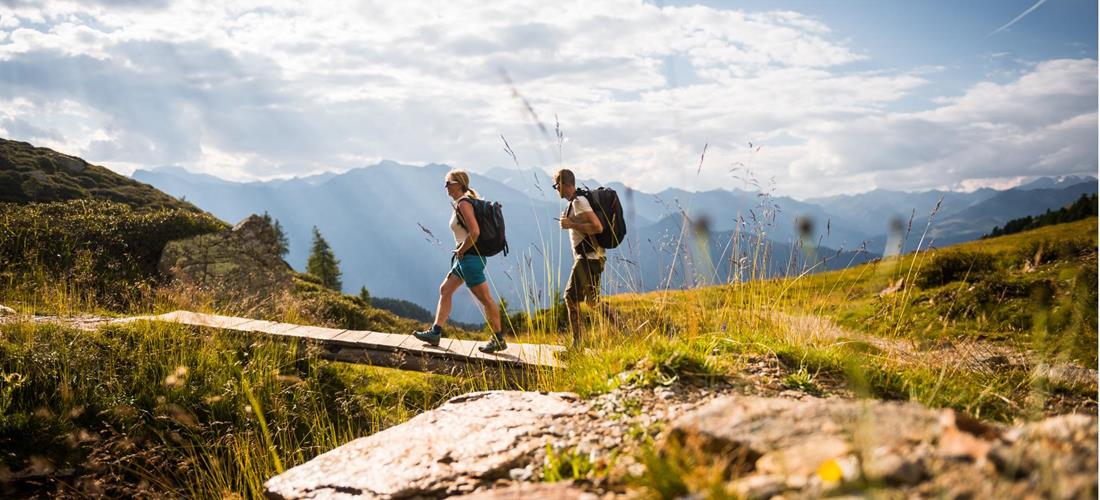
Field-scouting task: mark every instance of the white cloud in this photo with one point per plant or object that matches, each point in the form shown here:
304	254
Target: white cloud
255	89
1043	123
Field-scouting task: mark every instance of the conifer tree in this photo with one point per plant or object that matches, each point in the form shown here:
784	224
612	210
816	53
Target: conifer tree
280	235
323	263
364	294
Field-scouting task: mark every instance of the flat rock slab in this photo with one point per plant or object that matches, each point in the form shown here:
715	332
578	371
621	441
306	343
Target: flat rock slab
563	490
468	442
813	447
760	424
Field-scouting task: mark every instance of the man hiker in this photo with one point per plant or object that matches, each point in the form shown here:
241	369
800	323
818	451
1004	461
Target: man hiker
588	256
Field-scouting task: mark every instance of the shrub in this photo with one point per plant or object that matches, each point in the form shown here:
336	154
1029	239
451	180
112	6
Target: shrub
947	266
323	305
105	248
1065	324
1047	251
403	308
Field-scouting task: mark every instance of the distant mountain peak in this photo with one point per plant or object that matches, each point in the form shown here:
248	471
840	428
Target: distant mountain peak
179	172
171	169
1055	182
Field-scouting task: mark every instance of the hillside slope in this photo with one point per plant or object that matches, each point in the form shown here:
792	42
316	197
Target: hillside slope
33	174
1001	328
979	219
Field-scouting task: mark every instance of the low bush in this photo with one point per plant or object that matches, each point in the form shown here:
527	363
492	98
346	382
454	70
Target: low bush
105	248
946	266
1046	251
320	305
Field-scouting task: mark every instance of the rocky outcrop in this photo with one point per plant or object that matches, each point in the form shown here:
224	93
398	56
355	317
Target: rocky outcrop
526	491
242	262
469	441
494	445
812	447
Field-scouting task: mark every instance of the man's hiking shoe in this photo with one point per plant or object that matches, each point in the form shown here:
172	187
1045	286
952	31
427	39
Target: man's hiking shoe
430	336
497	344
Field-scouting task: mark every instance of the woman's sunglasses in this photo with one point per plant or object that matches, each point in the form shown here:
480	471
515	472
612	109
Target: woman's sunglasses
448	184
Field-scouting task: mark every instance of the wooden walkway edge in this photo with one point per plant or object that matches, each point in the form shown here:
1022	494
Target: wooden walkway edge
380	349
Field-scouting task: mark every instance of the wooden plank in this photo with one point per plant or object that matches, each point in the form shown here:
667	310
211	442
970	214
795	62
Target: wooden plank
446	346
350	337
283	329
316	332
256	325
394	341
207	320
466	348
382	349
538	354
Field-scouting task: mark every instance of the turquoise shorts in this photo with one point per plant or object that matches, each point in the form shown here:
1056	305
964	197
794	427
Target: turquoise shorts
471	268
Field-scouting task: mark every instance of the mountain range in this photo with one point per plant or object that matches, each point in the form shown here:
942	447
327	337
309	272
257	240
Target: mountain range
387	223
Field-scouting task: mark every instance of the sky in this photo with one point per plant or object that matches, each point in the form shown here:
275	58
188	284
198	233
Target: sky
802	98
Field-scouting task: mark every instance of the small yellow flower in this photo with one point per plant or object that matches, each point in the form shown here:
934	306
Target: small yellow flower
830	471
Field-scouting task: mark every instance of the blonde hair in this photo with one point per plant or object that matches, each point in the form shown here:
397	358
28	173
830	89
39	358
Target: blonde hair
463	180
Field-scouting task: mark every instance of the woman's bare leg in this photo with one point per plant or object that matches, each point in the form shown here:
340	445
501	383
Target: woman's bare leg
446	291
492	310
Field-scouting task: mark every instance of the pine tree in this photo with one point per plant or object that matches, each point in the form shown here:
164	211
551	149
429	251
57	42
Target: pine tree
323	263
364	294
280	235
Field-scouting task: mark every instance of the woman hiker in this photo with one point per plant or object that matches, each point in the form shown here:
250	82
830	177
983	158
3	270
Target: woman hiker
468	267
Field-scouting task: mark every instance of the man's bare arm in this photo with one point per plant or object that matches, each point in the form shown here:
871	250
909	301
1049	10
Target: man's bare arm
590	225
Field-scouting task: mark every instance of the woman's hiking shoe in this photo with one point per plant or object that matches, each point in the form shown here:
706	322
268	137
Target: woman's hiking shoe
430	336
497	344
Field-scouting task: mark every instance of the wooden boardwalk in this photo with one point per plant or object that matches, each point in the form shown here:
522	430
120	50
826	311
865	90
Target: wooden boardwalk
381	349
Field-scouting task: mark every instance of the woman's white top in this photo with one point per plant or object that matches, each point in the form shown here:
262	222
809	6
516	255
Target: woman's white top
460	232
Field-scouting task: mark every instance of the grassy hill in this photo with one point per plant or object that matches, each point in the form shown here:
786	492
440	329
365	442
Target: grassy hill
990	328
33	174
82	237
1035	290
1002	328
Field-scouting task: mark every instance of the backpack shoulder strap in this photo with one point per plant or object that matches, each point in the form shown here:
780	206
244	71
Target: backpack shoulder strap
580	192
458	213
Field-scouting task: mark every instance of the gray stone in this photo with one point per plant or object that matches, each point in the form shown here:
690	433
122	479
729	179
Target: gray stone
6	311
470	441
893	288
758	486
524	491
240	263
1065	373
803	459
893	469
758	425
902	445
521	473
1058	455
